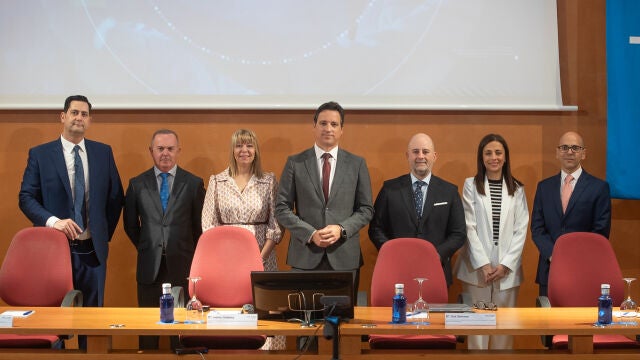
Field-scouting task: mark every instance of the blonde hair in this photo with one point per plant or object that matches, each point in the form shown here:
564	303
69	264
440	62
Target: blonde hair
244	136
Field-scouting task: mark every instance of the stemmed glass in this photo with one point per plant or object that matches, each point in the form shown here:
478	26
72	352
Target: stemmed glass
628	306
421	306
194	306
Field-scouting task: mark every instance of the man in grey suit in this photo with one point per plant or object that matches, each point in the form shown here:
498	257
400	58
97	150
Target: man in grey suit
162	217
421	205
324	200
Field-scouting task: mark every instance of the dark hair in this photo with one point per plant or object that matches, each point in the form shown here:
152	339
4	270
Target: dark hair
331	105
163	132
71	98
512	183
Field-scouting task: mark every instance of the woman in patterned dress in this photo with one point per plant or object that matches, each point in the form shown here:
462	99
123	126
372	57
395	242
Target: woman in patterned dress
244	196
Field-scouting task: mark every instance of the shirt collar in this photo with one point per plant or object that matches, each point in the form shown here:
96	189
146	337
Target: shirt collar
68	146
414	178
320	152
172	171
576	174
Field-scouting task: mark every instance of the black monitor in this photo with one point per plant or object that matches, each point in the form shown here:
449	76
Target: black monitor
275	293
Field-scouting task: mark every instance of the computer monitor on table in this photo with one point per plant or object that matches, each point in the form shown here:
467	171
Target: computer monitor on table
282	295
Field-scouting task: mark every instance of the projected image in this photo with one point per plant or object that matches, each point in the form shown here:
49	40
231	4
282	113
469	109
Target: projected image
287	53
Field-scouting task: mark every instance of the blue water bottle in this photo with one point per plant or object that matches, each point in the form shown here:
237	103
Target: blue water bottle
399	309
166	304
605	305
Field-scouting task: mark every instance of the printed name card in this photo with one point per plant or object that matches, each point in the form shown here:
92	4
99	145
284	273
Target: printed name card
232	318
470	319
6	321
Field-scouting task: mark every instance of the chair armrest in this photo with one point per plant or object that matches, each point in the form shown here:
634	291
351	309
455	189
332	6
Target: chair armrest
178	296
543	301
72	299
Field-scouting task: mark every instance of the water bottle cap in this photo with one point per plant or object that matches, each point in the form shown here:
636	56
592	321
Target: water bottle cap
166	285
399	286
605	286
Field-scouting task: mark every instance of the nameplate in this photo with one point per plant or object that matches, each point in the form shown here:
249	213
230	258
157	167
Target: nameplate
6	321
232	318
470	319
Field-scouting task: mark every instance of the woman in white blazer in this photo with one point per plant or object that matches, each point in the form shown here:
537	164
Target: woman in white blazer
496	213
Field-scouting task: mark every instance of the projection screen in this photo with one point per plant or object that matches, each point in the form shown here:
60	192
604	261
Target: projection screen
281	54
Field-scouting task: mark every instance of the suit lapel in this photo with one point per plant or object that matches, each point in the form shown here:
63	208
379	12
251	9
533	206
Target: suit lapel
178	184
406	191
151	184
578	189
432	189
557	195
486	203
505	207
342	167
61	167
311	164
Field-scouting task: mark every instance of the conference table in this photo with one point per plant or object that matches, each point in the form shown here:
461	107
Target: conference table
101	324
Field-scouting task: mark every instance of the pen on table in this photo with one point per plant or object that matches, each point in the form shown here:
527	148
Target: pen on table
27	313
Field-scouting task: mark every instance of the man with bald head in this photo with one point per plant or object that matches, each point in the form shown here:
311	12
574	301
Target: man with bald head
570	201
420	205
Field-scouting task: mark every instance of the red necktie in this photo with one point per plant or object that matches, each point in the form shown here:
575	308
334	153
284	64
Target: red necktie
326	174
567	189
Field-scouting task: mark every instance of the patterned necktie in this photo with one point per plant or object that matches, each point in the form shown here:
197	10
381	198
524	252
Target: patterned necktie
79	207
567	189
164	191
326	174
417	196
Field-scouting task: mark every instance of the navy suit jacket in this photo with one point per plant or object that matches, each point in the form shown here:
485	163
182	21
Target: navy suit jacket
589	210
46	191
442	222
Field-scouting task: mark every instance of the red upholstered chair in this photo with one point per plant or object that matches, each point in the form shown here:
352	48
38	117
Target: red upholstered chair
224	258
36	271
400	261
581	262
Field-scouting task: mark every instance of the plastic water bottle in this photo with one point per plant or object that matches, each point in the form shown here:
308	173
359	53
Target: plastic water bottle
166	304
399	313
605	305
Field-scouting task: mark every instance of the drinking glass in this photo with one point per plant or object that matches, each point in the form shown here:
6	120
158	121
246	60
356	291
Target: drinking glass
195	315
628	306
421	306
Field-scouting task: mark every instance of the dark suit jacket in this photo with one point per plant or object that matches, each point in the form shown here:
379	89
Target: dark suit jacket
442	221
589	210
179	227
46	191
300	208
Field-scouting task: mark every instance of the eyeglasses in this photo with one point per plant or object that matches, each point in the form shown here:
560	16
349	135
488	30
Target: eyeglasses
481	305
574	148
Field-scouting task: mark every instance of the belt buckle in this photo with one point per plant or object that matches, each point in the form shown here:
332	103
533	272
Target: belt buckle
74	242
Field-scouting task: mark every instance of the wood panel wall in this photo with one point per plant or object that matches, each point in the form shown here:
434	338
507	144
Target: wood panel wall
379	136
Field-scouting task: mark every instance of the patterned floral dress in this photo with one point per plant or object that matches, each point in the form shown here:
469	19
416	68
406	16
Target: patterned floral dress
252	209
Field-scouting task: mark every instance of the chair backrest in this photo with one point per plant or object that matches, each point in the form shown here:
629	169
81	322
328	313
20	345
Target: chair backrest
224	259
582	261
402	260
36	270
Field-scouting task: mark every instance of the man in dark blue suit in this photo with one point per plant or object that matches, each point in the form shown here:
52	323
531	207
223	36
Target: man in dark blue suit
570	201
49	187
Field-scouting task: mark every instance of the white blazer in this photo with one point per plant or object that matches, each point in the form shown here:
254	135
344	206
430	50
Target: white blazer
514	219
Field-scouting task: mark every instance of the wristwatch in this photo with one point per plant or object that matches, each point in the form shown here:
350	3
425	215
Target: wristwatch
343	232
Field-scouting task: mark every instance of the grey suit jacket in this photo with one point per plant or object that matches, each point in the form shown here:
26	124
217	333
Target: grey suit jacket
179	227
300	208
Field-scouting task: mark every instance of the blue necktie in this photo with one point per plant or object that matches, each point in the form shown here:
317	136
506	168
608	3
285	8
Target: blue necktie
164	191
78	188
417	196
